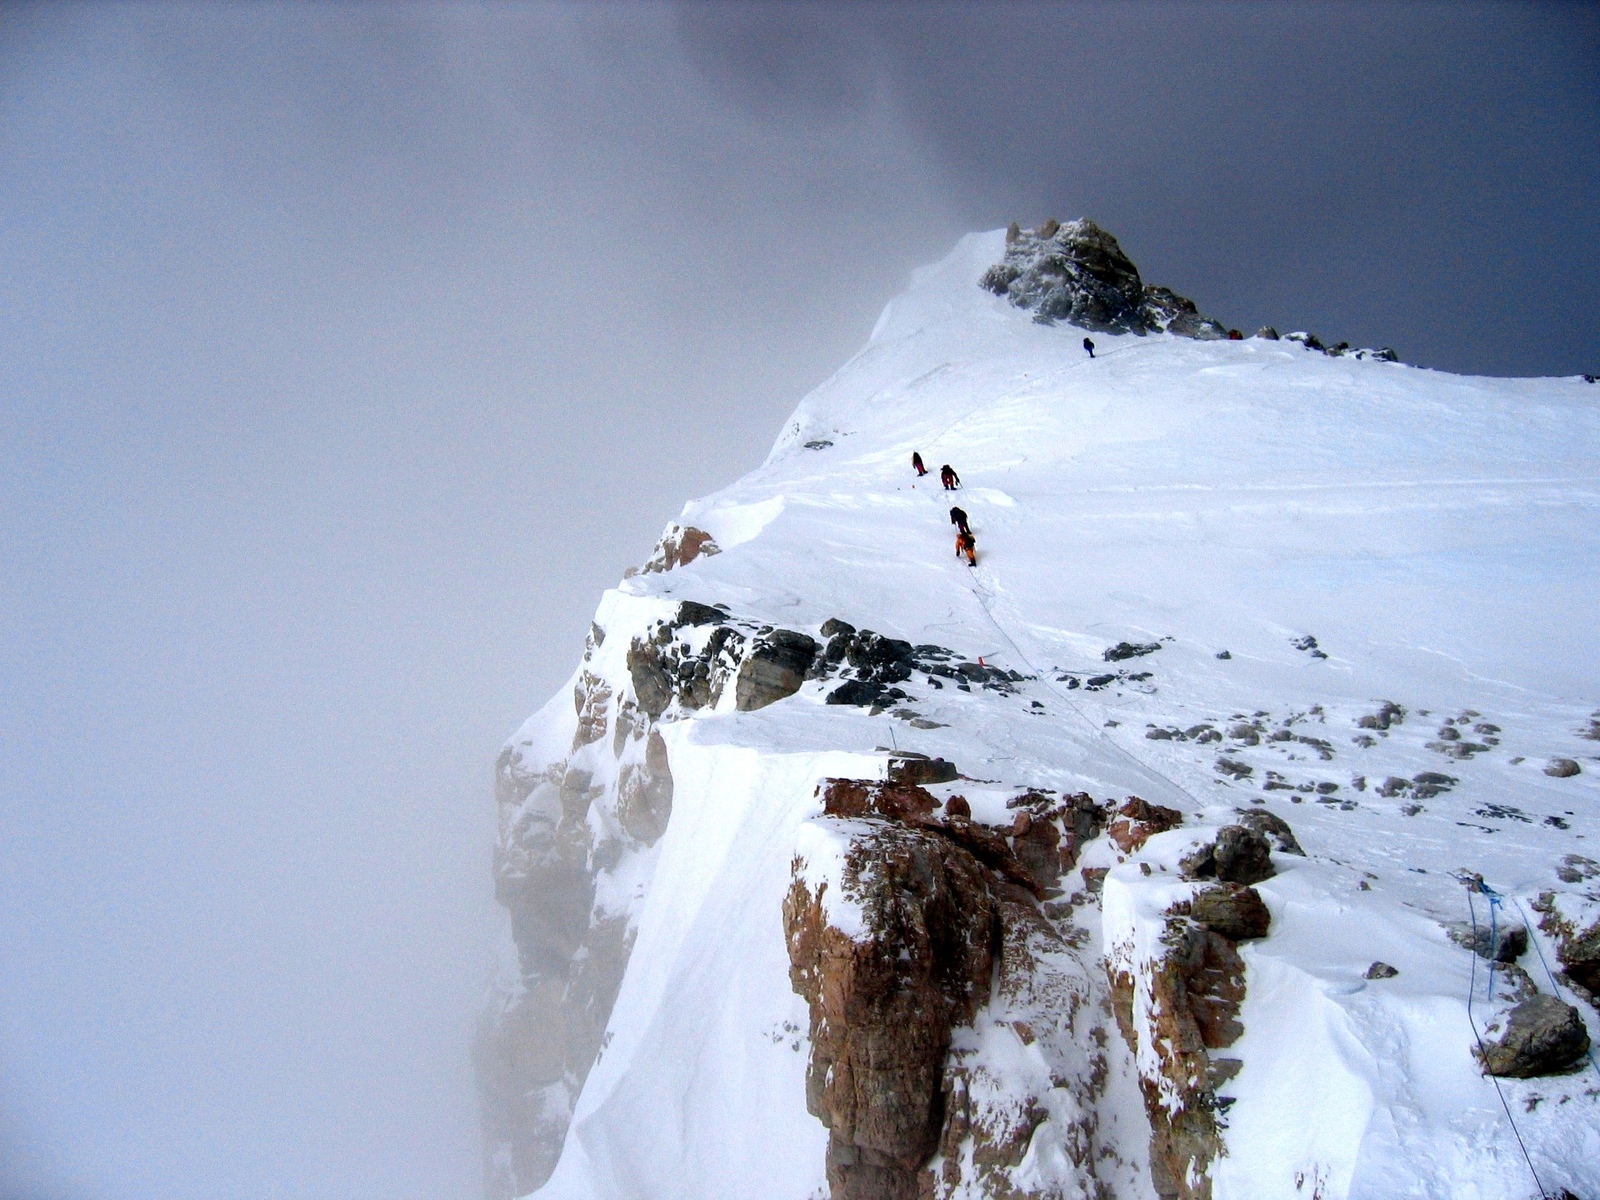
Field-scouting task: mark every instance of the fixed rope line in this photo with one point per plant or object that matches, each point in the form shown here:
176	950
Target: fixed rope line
993	400
1139	764
1472	986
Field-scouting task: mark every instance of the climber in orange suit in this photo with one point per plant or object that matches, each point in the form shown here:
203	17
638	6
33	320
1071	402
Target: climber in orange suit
968	545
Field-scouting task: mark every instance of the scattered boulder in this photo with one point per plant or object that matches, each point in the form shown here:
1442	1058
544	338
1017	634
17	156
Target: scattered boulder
1501	943
1137	821
863	692
1271	826
1381	970
1234	910
1238	855
1125	650
1561	768
908	767
1540	1036
1389	713
1267	333
693	613
775	668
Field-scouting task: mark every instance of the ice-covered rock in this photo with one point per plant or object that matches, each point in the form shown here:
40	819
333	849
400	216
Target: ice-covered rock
1077	273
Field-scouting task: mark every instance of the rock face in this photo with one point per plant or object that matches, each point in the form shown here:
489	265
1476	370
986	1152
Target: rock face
903	927
1577	944
883	1005
1540	1036
537	1043
1175	1009
1077	273
1177	985
774	668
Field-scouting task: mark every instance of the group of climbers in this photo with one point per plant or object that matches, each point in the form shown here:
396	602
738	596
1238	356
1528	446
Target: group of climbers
966	544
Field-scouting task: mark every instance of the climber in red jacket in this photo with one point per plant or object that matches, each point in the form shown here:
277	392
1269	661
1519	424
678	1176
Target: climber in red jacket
916	464
948	477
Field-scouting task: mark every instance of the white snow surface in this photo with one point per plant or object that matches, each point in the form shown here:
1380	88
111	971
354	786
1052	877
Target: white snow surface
1436	534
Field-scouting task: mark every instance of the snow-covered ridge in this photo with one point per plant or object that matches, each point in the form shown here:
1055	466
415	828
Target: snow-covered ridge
1368	586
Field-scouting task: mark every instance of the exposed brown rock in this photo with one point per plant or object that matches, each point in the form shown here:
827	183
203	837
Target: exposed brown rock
1540	1036
652	686
882	1005
1137	821
947	908
679	546
1577	949
914	805
1195	988
1231	909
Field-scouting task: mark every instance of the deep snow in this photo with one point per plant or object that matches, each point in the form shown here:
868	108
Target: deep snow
1435	534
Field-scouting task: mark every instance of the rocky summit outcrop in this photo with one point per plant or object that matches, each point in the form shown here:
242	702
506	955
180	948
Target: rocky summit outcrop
1077	273
898	914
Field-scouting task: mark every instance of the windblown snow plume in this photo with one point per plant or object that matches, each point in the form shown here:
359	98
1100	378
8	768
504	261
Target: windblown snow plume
1226	832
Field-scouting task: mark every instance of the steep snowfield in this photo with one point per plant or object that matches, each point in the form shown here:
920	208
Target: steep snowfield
1435	535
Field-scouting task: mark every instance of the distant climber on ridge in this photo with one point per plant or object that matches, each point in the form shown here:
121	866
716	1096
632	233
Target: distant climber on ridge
958	518
916	464
968	545
1088	344
948	477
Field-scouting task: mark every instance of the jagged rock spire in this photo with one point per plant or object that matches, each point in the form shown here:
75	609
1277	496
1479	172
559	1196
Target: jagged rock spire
1077	273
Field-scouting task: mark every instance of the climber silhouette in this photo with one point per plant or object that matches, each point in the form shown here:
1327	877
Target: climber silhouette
968	545
916	464
948	477
958	518
1089	346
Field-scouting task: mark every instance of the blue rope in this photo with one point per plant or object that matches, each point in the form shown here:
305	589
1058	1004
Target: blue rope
1472	986
1549	974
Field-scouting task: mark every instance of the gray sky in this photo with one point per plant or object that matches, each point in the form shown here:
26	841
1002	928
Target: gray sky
346	354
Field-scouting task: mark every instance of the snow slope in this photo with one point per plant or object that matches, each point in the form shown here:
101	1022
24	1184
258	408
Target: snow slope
1436	535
